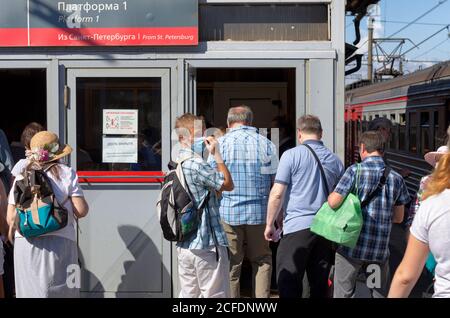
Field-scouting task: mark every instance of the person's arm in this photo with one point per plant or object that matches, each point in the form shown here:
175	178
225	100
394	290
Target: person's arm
399	214
343	187
335	200
212	146
3	209
80	206
409	269
402	199
11	219
276	199
76	197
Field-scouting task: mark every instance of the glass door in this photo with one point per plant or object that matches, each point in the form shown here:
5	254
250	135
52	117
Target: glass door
118	125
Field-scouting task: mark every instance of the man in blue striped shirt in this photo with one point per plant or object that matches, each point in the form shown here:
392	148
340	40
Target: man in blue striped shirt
252	160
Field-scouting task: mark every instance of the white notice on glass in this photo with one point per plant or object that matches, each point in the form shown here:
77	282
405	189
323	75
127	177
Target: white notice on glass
120	121
120	150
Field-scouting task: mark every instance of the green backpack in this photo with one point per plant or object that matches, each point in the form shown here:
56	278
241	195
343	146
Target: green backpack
344	224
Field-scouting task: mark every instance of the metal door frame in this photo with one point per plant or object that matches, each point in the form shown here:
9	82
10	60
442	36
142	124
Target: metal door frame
166	109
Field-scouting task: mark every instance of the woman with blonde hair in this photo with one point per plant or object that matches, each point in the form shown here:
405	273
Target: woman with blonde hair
41	263
430	231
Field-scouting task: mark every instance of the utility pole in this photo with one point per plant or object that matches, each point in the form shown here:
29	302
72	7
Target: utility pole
400	65
370	51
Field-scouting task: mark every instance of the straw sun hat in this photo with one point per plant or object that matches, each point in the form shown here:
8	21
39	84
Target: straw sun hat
433	157
45	147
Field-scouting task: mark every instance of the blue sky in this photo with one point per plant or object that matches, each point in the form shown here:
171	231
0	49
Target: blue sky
392	11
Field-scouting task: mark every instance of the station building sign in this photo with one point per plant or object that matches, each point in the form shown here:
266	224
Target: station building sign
98	22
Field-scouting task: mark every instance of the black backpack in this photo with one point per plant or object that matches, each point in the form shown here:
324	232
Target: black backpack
178	216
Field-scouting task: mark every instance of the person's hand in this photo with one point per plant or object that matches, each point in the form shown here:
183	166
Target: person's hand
269	232
211	144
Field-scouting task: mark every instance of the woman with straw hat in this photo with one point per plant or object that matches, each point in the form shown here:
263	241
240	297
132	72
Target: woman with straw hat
42	263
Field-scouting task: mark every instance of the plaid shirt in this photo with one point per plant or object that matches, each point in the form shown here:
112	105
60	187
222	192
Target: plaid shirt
252	160
201	178
373	241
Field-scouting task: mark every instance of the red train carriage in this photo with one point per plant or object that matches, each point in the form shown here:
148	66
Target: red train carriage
418	105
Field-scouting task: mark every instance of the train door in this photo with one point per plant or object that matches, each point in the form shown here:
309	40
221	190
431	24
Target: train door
118	124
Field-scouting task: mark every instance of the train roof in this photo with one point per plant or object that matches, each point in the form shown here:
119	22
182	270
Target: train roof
438	71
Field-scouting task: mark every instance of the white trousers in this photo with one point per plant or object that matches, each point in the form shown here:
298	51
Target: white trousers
201	275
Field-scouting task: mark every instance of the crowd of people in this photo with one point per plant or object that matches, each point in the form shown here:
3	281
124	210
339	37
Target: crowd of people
257	196
252	198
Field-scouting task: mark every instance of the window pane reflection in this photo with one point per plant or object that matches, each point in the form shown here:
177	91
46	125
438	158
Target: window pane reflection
97	94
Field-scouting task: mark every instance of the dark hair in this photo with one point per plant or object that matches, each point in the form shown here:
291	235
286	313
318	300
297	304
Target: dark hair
380	122
29	131
310	124
372	141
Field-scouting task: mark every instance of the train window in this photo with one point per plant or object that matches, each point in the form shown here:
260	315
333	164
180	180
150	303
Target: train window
425	132
393	118
402	132
413	132
437	137
394	136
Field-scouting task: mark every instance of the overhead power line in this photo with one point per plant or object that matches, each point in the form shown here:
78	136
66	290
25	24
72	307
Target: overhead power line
426	39
416	23
423	61
441	2
434	47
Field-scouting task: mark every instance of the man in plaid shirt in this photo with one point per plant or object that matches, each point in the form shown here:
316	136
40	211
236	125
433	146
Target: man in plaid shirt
252	160
203	262
385	208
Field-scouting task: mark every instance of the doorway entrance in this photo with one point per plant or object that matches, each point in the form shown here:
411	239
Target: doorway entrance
24	100
269	92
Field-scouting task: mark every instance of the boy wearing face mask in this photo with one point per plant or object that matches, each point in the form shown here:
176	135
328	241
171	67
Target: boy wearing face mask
203	262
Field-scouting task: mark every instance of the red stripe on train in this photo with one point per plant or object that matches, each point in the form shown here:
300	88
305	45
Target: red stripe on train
380	101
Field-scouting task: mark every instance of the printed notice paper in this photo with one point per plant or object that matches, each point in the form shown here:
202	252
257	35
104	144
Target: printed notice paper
120	150
120	121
